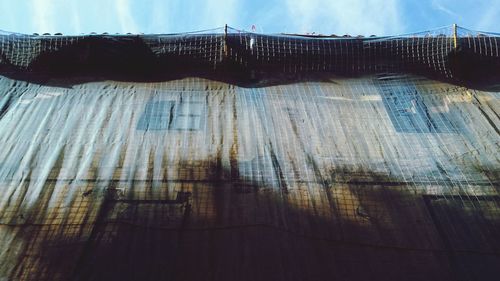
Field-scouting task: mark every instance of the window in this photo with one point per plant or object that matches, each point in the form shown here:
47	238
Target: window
171	115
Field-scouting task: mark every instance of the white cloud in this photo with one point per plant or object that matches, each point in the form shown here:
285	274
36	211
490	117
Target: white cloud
355	17
217	13
380	17
43	18
125	18
182	15
159	19
7	20
75	18
436	4
489	20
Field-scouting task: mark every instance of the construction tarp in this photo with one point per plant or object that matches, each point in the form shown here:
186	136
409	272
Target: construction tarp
242	156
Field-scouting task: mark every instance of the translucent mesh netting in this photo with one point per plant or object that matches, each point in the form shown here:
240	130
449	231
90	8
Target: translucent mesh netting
380	176
428	53
348	56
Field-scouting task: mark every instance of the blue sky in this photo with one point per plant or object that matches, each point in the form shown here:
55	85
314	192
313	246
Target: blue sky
365	17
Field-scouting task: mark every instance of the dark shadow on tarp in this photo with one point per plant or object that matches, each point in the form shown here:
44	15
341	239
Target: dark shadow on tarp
227	228
137	59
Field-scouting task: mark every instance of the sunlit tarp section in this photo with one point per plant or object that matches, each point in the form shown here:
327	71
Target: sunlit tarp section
228	155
